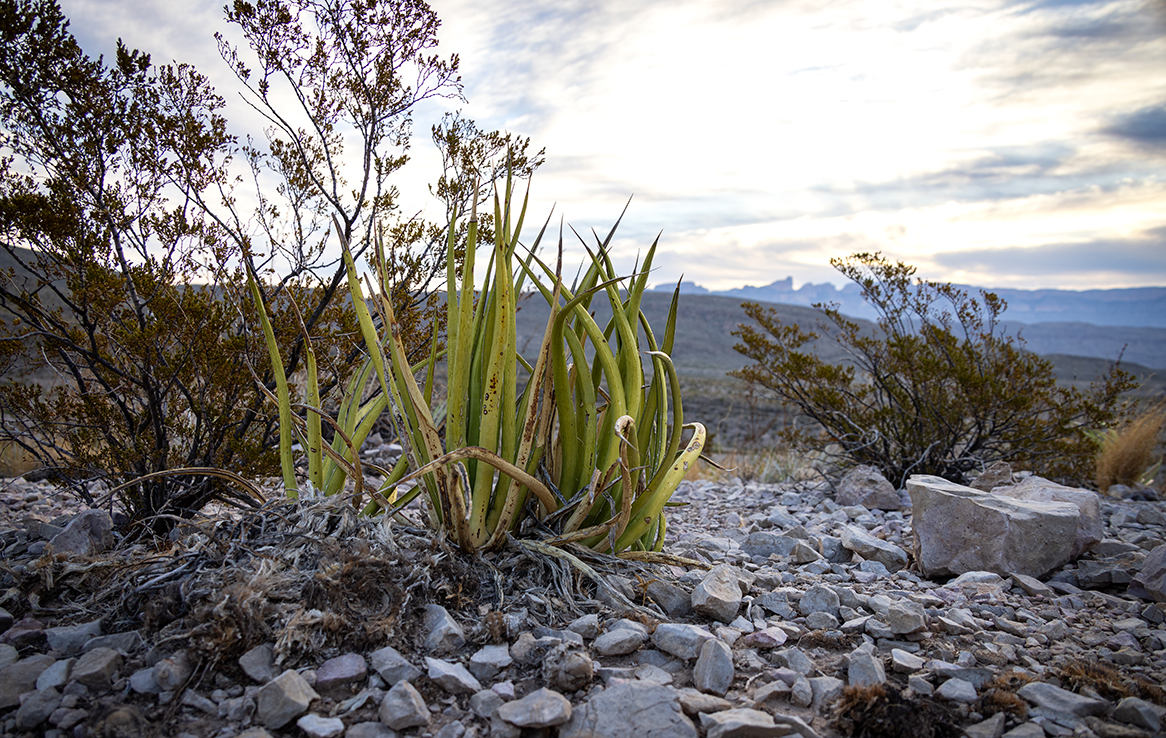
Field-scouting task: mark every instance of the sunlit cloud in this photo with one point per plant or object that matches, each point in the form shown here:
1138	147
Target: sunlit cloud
978	140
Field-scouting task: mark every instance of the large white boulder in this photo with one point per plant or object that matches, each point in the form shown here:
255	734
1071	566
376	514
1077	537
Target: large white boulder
959	529
1090	528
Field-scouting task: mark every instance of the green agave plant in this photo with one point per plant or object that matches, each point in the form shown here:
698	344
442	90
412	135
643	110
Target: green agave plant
582	438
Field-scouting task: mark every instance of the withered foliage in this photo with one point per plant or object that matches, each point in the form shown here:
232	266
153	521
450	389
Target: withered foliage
1107	682
881	711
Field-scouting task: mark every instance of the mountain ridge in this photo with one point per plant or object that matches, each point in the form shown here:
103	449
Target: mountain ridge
1138	307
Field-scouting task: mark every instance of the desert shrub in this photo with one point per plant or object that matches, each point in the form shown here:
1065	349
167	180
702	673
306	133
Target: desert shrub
937	388
1127	455
124	295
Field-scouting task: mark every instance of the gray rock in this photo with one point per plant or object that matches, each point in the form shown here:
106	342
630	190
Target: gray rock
993	727
998	474
864	485
1152	577
1139	713
190	698
36	708
95	669
804	554
487	661
1032	586
873	549
680	639
718	595
630	710
801	692
1090	528
1051	697
484	703
959	529
905	663
283	699
826	689
905	617
259	663
819	598
392	666
403	707
124	643
674	600
714	668
1026	730
765	638
369	729
338	676
865	670
8	655
957	690
68	640
920	686
21	677
543	708
57	675
795	659
453	678
316	726
743	722
443	634
172	673
821	621
588	625
763	544
89	533
568	669
620	642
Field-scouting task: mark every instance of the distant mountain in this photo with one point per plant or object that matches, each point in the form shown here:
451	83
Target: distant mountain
1137	307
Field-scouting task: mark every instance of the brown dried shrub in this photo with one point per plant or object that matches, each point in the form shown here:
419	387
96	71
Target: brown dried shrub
881	711
1127	454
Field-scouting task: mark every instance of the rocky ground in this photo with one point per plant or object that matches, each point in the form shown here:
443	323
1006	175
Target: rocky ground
804	618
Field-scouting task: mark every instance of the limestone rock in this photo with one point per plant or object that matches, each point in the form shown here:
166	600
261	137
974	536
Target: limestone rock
957	690
718	595
21	677
959	529
1090	528
680	639
620	642
998	474
36	708
714	668
543	708
443	634
453	678
874	549
316	726
865	670
864	485
259	663
87	534
392	666
1052	697
1151	580
95	669
630	710
283	699
487	661
338	676
403	707
743	722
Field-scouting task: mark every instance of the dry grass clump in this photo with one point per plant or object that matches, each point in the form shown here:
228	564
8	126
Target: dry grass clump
999	695
1126	456
1108	682
881	711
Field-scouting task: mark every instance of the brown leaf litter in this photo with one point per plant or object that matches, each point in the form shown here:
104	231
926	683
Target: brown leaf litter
317	580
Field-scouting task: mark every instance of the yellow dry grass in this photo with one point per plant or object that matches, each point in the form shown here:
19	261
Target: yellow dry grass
1128	454
769	467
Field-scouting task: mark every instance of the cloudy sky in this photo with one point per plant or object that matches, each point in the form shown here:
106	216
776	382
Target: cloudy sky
1000	143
